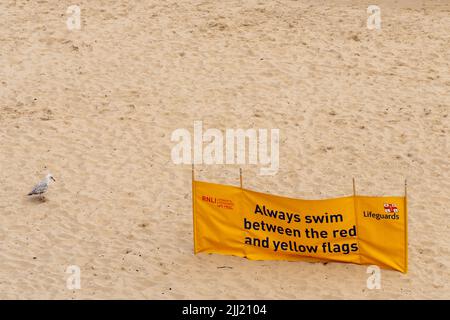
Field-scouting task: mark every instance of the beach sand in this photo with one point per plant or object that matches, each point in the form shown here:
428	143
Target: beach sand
97	107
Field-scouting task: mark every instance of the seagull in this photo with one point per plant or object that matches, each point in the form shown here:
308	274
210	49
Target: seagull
42	186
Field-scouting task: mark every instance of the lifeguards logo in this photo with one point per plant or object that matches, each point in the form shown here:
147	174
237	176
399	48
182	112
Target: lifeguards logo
390	208
219	203
390	212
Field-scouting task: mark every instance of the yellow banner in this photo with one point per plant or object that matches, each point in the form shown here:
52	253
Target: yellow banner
357	229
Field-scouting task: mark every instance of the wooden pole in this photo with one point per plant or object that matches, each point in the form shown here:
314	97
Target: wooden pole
193	209
354	187
406	226
356	215
240	176
406	189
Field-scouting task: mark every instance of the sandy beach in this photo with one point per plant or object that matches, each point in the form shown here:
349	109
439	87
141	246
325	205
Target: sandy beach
96	107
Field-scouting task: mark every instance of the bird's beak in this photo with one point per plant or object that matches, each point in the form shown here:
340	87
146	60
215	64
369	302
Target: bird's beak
53	179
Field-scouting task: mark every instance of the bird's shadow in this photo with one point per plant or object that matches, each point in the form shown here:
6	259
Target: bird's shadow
37	199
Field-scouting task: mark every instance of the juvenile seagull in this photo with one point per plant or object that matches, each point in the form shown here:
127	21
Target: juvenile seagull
42	186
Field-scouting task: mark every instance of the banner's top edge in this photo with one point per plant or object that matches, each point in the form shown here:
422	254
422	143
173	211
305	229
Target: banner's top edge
280	196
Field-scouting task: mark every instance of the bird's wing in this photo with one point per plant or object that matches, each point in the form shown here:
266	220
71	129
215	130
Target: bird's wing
41	187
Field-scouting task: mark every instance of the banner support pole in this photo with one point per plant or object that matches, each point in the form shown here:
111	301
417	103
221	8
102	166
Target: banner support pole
406	226
240	176
354	187
193	210
406	188
356	218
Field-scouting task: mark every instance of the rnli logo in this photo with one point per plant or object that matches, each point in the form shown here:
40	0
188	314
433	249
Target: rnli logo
219	203
209	199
